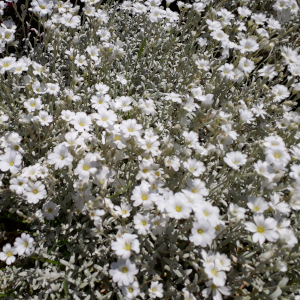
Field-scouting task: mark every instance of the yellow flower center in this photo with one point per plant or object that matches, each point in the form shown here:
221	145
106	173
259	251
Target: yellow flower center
5	65
62	157
9	254
260	229
124	270
206	213
127	247
144	223
145	197
130	290
20	183
104	119
145	170
50	210
214	271
200	231
26	244
117	138
256	208
277	155
12	163
35	191
124	212
81	124
42	6
178	208
86	167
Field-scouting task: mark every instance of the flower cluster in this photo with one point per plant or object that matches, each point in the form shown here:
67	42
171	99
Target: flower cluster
151	153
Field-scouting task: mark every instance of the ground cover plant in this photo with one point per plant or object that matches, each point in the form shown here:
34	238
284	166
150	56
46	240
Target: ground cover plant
149	152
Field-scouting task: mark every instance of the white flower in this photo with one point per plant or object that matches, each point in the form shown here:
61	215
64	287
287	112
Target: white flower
202	233
173	162
18	184
123	103
235	212
246	115
131	291
53	88
67	115
248	45
131	128
216	291
105	118
8	253
195	167
156	289
197	187
44	118
267	72
202	64
100	101
123	272
226	71
280	91
214	271
159	224
87	166
178	207
142	195
295	172
11	161
50	210
60	157
102	88
273	141
33	104
149	144
80	60
147	107
125	244
277	206
42	7
142	223
257	204
24	244
235	159
123	210
173	97
7	64
264	229
39	88
34	192
82	122
208	212
278	156
287	236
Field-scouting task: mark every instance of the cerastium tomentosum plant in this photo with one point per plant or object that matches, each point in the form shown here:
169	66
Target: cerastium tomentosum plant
150	153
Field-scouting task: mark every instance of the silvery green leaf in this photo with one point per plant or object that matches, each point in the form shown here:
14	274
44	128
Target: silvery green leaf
283	281
276	294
